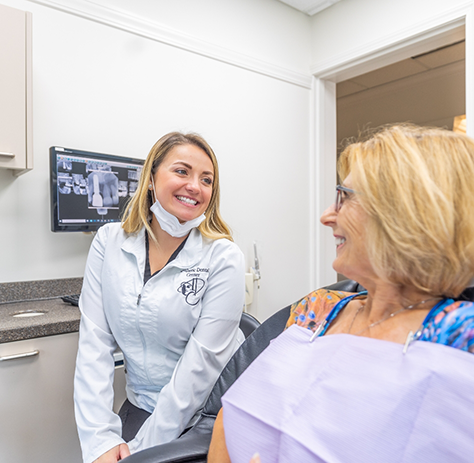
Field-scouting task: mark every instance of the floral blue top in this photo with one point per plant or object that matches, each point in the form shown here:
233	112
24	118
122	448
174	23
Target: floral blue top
449	322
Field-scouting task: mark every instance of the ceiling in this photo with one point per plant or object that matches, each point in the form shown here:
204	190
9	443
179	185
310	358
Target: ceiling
310	7
403	69
427	89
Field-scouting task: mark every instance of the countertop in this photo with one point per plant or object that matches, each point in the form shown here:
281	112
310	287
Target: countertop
57	317
43	296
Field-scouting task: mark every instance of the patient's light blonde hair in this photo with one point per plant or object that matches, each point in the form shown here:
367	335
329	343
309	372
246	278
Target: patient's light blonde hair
137	212
417	186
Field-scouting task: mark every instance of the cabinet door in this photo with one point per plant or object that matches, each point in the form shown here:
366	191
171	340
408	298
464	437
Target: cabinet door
36	401
15	89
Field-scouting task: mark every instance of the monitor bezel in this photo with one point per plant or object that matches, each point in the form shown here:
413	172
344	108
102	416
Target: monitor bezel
53	151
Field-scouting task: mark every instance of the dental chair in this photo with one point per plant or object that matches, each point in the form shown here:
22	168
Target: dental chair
192	446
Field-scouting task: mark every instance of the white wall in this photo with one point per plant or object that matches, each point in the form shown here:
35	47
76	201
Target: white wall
103	89
265	29
353	24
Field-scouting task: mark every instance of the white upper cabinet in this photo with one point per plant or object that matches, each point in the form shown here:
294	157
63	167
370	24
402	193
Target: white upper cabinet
16	150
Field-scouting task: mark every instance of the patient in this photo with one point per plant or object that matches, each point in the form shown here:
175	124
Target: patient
382	375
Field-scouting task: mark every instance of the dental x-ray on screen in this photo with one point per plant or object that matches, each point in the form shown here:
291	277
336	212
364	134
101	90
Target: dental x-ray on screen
89	189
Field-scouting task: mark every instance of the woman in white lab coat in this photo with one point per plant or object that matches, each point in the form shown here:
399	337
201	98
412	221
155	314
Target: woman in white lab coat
166	286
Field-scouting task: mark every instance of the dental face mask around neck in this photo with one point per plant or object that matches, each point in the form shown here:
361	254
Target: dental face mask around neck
169	223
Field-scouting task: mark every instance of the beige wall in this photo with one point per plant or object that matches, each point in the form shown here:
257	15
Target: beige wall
433	97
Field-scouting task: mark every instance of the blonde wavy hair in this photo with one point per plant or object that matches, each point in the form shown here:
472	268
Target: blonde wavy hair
417	186
137	212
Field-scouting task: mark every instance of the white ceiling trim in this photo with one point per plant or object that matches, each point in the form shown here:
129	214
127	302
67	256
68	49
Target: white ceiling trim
310	7
159	33
321	6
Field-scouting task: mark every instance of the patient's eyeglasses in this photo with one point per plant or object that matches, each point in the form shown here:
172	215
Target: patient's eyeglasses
341	196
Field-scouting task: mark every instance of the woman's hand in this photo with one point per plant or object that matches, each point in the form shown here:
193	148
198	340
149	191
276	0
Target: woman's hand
114	454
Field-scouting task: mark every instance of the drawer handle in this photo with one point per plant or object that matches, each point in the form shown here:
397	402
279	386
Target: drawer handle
19	356
8	155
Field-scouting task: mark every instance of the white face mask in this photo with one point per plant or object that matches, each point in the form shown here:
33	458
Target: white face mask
169	223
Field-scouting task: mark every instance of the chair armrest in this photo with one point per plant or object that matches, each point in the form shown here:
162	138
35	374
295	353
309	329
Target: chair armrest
190	447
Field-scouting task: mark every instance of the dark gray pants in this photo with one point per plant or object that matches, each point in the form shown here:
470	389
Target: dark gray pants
132	420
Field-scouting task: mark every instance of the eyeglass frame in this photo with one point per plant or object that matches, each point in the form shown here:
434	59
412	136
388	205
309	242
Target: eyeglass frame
339	199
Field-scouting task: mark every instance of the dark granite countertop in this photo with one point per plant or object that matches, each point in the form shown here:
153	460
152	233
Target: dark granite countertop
57	317
44	297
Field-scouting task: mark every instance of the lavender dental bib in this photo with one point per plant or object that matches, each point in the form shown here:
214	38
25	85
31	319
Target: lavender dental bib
351	399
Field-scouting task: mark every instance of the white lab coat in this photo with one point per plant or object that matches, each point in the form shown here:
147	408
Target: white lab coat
176	332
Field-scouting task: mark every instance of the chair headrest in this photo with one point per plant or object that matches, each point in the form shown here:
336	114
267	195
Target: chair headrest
352	286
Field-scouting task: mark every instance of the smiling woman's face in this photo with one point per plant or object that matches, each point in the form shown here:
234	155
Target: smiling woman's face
349	230
184	182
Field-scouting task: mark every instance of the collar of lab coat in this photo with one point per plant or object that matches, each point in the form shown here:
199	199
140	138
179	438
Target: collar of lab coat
190	255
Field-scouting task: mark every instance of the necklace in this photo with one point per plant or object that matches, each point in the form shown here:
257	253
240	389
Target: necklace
386	317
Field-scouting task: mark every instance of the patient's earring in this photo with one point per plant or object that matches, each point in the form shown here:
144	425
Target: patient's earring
150	186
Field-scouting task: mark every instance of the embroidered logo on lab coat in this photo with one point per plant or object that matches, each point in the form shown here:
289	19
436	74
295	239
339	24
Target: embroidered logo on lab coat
190	289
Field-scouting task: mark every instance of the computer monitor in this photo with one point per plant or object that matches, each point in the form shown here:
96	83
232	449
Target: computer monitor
89	189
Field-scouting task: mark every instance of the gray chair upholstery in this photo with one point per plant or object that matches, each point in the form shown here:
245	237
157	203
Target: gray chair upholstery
194	444
248	324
